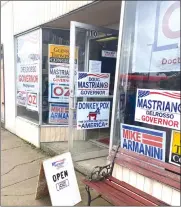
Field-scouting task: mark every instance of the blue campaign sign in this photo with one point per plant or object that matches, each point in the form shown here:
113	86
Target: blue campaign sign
145	141
59	114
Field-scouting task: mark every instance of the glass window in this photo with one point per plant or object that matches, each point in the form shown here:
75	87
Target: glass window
28	68
150	64
50	36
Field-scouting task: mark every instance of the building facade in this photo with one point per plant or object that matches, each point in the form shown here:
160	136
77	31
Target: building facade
85	76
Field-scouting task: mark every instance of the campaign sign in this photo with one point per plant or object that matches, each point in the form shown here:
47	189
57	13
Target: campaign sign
90	85
59	73
21	98
175	148
158	107
61	180
58	93
32	101
93	115
141	140
59	114
157	37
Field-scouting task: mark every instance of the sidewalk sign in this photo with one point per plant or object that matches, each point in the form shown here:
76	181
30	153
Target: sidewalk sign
58	175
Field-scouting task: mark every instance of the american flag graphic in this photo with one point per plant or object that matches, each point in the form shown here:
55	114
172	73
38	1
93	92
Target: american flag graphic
144	93
96	75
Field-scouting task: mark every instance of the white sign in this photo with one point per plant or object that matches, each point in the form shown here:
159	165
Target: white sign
157	37
32	101
140	139
58	93
158	107
89	84
92	115
95	66
28	65
21	98
109	54
61	180
58	83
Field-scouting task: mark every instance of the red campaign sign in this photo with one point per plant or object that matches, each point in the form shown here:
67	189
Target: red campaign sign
32	101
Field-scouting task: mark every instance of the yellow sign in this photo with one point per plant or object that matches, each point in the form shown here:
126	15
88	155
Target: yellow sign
175	148
60	53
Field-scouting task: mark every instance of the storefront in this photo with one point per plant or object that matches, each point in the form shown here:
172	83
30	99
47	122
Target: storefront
97	77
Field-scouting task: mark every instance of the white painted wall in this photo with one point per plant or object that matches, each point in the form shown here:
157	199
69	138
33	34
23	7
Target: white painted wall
7	40
29	14
152	187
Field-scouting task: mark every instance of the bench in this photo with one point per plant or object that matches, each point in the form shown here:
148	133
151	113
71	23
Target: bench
120	193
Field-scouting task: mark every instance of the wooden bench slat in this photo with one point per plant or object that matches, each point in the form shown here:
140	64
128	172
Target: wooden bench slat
149	174
150	167
114	200
130	193
128	199
139	192
149	160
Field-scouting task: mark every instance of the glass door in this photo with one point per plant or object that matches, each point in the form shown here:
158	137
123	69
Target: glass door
92	72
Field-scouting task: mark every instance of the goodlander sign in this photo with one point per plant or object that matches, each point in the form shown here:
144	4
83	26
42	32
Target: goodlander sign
143	141
61	180
92	115
89	84
158	107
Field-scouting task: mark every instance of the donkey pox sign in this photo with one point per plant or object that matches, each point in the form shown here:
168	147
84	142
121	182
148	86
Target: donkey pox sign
93	115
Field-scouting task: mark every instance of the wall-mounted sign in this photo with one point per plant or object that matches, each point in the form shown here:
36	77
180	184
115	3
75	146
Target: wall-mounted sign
158	107
59	114
92	115
143	141
157	37
28	66
95	66
59	72
90	85
109	54
175	148
61	179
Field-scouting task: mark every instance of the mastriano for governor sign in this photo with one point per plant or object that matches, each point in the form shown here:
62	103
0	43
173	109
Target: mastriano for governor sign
158	107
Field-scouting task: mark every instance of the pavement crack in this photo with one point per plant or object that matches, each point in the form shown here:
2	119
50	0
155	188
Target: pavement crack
19	182
20	195
11	148
22	164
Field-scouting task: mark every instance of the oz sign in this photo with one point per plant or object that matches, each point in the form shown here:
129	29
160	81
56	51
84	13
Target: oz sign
32	101
59	93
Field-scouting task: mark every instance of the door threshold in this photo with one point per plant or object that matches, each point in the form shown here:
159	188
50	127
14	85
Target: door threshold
99	144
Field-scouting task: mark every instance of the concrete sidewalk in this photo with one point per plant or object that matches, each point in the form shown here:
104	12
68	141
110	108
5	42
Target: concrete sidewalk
20	164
